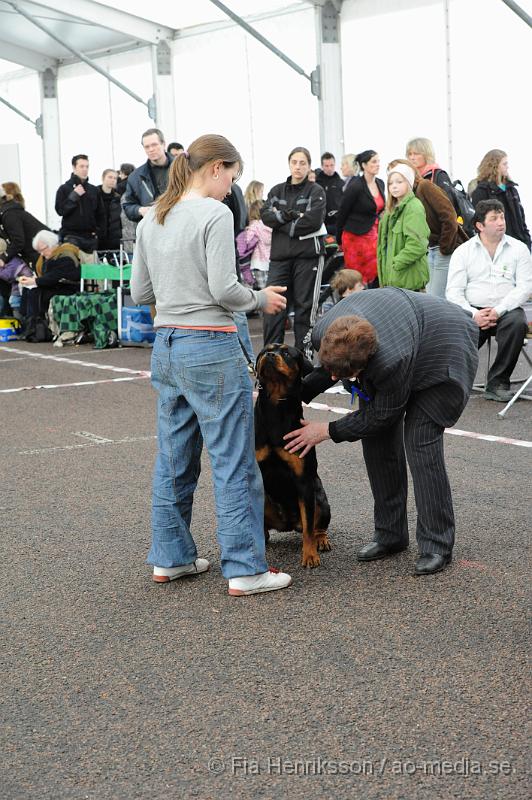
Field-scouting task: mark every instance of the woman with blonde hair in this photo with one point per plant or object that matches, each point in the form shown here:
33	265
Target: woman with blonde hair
494	183
349	168
403	234
184	263
420	153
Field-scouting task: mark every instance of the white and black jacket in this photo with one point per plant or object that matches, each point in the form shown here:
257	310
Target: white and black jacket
293	211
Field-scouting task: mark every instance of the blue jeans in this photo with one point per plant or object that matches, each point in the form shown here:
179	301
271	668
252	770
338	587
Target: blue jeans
438	270
205	395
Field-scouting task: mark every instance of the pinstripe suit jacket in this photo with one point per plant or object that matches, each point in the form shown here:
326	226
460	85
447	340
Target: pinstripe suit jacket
427	352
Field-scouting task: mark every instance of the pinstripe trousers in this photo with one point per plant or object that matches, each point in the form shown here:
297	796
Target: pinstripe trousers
418	439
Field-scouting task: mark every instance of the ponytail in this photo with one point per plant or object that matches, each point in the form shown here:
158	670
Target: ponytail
203	151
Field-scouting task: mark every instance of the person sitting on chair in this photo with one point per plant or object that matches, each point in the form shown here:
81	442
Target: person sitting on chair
58	272
490	276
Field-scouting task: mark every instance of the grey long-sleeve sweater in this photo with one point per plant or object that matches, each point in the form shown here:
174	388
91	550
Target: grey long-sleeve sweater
187	266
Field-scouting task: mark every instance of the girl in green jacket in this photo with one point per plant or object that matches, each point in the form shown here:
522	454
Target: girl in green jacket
403	235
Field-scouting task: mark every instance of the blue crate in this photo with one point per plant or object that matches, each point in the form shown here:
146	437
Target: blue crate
137	325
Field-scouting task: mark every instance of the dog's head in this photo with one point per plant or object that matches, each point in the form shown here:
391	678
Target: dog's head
280	368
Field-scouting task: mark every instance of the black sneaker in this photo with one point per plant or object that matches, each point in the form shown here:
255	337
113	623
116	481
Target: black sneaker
498	393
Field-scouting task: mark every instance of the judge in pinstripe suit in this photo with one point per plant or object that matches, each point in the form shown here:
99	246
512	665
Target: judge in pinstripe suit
412	359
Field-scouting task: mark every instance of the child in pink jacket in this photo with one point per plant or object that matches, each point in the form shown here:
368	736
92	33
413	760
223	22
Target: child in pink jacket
254	245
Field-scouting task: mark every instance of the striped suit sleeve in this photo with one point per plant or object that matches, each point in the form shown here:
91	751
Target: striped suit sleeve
382	411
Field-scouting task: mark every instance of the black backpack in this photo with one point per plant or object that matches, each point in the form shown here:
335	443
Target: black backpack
36	330
465	210
464	207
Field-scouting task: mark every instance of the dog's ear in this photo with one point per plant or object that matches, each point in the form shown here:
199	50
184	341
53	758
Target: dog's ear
259	357
305	364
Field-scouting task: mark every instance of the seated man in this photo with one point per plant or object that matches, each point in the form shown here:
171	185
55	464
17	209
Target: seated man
490	276
58	272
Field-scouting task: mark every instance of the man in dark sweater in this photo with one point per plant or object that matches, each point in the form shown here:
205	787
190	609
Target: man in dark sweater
333	184
78	202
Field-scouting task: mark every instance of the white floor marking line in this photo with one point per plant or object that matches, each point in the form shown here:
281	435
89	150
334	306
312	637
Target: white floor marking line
78	383
95	442
5	360
452	431
488	438
143	372
93	437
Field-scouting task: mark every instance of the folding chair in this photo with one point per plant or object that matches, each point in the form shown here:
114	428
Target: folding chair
108	272
522	389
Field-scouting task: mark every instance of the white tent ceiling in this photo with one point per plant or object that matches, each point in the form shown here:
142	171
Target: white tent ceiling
95	28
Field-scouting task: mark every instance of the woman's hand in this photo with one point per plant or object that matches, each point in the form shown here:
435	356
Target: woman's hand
26	280
275	300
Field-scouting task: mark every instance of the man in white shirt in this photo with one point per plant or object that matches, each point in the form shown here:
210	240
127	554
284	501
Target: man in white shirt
490	276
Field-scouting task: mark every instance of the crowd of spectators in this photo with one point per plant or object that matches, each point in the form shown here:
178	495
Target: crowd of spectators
407	231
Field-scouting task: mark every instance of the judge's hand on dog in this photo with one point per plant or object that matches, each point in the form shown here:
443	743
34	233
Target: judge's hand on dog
275	301
311	434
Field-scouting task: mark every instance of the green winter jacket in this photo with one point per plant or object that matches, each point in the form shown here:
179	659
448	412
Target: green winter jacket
402	246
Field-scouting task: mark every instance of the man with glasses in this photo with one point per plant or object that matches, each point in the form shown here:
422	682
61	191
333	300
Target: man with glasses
149	181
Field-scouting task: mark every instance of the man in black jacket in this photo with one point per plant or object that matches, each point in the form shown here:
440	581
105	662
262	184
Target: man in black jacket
78	202
110	231
295	210
334	186
150	180
411	358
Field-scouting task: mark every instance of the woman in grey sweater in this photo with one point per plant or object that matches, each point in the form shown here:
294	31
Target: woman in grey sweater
184	262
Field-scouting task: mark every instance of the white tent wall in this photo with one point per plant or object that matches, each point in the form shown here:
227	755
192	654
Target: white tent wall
227	82
24	93
98	118
395	85
394	88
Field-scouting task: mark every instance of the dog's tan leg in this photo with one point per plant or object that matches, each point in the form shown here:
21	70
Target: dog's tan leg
322	540
309	557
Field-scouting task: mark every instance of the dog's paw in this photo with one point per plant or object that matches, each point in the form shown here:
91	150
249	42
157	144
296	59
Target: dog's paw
310	560
323	542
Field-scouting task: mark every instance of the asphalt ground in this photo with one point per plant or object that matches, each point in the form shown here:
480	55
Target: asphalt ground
360	681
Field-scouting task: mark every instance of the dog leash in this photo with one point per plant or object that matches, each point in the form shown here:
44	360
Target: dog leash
250	363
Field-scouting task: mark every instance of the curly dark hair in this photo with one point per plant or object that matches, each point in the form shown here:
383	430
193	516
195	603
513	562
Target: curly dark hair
347	346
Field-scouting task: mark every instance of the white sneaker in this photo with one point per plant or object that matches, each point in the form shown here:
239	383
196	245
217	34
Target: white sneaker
264	582
165	574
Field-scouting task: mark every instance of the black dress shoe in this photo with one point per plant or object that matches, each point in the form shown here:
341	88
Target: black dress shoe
374	551
431	563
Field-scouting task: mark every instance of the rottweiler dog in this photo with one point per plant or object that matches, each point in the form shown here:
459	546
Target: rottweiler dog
294	495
